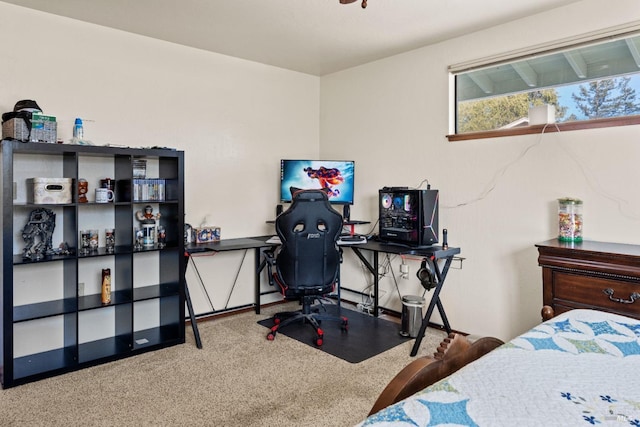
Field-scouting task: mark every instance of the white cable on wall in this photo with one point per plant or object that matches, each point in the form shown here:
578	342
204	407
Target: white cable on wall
623	205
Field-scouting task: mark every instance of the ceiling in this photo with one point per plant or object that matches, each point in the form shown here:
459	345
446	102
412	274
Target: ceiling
311	36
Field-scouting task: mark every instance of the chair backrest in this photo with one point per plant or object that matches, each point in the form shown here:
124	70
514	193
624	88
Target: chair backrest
309	256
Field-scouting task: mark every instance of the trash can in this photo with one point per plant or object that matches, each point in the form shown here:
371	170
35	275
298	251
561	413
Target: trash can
411	315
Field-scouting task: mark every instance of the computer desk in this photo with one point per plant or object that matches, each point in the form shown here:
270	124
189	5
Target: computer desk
225	245
436	253
259	243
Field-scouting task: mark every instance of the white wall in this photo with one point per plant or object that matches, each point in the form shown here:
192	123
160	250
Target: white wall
233	118
392	117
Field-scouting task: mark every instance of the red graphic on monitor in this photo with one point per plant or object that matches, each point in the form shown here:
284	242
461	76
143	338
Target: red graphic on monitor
327	177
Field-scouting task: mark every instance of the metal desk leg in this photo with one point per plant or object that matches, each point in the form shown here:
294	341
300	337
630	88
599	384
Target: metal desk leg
435	300
256	278
194	323
443	316
192	316
376	283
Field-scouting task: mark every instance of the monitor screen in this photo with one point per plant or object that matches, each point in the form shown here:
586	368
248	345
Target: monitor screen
337	176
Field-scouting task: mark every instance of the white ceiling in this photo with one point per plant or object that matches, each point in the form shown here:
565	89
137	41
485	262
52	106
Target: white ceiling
311	36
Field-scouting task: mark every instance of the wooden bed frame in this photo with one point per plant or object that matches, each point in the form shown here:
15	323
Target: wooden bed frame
453	353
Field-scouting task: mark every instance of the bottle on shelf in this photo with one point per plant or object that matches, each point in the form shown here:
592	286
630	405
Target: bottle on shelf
78	130
106	286
78	133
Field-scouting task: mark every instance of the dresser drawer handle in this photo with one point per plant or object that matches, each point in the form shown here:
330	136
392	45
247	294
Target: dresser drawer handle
632	298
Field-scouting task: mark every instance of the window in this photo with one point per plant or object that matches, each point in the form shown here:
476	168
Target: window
597	83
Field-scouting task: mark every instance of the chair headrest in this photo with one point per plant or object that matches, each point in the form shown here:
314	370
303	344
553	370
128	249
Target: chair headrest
311	194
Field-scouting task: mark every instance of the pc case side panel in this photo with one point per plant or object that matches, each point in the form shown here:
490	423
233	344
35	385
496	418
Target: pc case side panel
429	210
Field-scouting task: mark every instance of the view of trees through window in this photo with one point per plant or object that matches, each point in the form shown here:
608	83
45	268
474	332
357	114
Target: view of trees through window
603	98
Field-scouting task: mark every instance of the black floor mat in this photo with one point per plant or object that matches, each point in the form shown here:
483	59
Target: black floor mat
366	336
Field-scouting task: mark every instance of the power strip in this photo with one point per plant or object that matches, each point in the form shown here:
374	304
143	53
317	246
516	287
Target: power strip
365	308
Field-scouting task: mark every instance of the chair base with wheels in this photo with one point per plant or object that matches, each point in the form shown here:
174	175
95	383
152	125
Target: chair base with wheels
308	314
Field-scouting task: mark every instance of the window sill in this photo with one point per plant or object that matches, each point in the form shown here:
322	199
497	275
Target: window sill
556	127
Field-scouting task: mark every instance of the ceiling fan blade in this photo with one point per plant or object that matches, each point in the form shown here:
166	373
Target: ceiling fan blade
364	2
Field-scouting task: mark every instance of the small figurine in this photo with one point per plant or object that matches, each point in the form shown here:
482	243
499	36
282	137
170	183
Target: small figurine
41	224
162	237
147	216
110	240
148	221
63	249
83	188
85	242
139	239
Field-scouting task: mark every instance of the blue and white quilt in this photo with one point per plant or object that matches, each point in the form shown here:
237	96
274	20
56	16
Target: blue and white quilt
580	368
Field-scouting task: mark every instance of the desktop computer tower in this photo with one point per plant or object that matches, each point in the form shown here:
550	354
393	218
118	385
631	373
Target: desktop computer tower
408	216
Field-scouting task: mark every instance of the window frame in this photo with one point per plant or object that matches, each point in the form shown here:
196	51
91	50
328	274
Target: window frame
552	127
577	42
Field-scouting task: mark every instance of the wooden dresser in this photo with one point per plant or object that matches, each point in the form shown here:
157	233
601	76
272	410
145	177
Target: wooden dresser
596	275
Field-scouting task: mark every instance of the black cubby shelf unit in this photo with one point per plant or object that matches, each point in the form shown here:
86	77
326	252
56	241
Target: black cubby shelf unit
53	318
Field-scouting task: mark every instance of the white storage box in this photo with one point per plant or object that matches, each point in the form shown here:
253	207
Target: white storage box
43	129
54	191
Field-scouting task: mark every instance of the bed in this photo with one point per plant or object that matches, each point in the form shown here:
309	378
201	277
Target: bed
579	368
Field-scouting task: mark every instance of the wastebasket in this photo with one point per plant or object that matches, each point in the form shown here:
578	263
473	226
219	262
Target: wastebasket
411	315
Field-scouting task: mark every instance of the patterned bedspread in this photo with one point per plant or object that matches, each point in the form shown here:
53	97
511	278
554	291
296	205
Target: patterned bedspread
579	368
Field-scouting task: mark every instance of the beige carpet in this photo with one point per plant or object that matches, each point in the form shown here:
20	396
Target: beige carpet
238	379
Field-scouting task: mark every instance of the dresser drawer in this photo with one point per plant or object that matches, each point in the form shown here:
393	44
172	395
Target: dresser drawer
590	291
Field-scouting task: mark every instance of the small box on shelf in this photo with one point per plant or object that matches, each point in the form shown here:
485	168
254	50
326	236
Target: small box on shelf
207	234
49	190
42	128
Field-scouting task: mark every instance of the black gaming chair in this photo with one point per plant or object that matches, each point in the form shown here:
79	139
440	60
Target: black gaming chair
307	264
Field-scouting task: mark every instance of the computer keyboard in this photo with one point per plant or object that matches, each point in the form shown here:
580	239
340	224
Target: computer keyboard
352	240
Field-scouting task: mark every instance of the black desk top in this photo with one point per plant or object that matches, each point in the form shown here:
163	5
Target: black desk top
346	222
371	245
229	245
400	249
355	222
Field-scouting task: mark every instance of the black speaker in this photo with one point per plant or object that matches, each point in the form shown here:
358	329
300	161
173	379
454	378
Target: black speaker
408	216
346	212
278	210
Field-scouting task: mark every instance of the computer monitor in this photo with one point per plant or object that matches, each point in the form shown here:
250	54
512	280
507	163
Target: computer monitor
336	176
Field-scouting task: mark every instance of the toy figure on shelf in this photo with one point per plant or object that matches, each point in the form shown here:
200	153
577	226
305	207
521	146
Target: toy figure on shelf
162	237
148	222
138	239
147	216
40	227
83	188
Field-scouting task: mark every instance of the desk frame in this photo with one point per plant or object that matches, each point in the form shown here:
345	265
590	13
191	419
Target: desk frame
437	253
255	243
